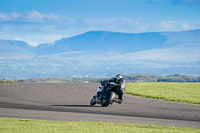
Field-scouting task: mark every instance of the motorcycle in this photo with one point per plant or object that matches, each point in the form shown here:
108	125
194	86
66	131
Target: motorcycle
105	94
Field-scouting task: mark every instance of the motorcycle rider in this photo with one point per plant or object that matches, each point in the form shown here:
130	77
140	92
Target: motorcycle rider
117	82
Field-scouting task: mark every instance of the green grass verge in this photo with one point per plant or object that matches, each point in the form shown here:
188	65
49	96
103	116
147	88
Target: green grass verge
8	125
8	81
168	91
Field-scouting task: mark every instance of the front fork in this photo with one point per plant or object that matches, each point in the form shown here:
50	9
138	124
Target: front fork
99	97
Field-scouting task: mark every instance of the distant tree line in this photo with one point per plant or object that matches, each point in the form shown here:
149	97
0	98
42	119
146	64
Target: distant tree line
157	78
128	78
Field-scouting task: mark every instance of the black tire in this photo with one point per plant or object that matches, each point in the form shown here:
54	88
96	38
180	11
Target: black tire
110	98
93	101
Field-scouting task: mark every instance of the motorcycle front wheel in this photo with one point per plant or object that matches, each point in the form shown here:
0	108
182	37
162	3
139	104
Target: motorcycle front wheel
93	101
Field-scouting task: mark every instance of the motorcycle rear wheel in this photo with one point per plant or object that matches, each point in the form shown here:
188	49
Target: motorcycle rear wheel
108	100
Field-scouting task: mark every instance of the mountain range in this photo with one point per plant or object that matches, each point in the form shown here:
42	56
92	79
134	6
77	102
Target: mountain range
103	53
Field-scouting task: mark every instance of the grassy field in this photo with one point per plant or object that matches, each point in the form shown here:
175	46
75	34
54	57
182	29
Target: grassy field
8	125
168	91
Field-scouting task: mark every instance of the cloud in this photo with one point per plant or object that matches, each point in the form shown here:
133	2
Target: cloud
173	25
176	2
114	20
34	16
184	2
4	17
119	24
36	28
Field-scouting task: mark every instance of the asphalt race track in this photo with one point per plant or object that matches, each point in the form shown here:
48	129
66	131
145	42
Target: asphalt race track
71	102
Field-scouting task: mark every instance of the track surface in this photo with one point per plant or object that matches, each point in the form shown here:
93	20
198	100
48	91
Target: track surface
71	102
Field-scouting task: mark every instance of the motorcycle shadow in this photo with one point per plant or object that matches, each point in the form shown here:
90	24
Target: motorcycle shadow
75	106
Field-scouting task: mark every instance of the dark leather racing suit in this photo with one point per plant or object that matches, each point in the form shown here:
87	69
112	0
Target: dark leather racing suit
120	87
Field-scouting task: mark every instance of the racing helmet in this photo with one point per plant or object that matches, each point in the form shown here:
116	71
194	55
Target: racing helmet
118	76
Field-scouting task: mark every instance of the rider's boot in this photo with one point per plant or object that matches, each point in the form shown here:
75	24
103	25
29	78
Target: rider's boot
119	101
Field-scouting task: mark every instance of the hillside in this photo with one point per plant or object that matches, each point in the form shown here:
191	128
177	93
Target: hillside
105	41
103	54
11	49
135	46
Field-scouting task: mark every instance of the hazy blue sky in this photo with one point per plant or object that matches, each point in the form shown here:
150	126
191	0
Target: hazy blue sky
41	21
